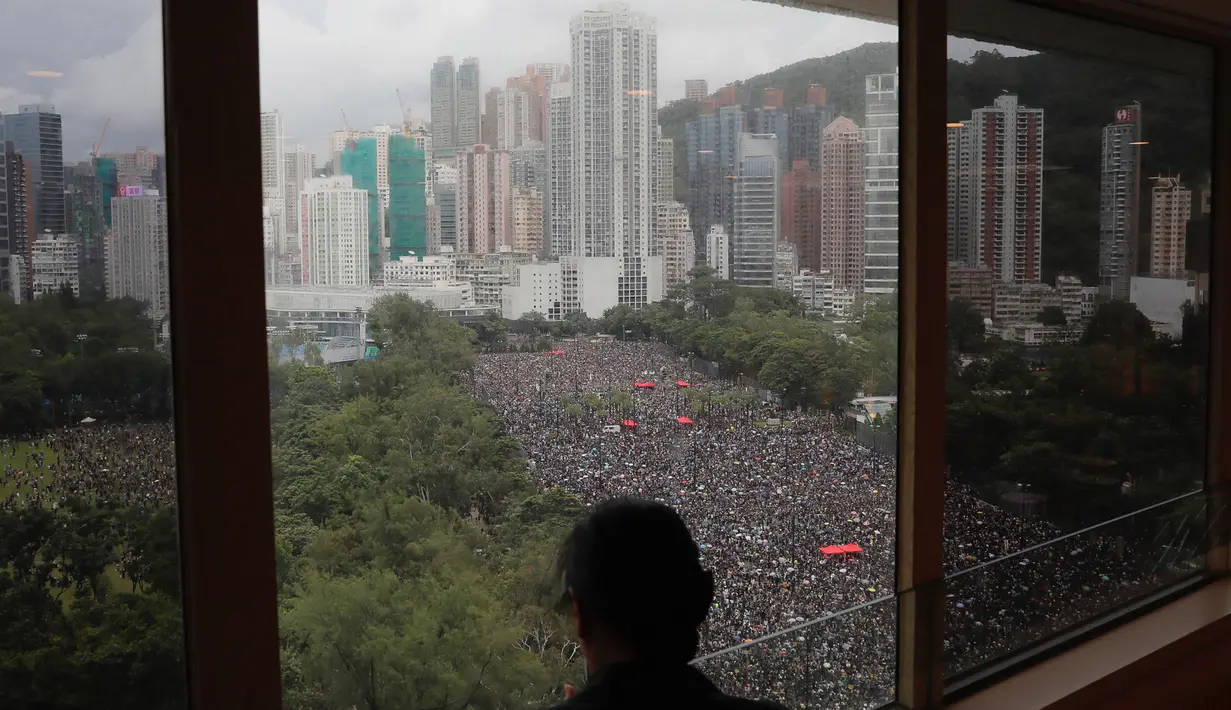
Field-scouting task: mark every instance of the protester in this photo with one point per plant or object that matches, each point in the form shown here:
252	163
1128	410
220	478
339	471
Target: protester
761	500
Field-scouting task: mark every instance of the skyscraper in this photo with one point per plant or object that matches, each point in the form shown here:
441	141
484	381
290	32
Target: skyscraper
1120	203
5	243
37	133
298	167
19	212
881	183
407	198
696	89
444	192
995	187
526	219
711	140
359	161
444	103
806	127
484	200
489	129
336	232
273	175
1171	208
86	222
771	117
801	213
842	206
469	103
754	244
136	249
674	242
512	118
559	204
615	115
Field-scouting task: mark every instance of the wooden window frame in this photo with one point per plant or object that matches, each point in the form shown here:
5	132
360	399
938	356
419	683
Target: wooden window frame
211	70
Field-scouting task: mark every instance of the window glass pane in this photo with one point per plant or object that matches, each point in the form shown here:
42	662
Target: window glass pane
588	253
89	559
1078	244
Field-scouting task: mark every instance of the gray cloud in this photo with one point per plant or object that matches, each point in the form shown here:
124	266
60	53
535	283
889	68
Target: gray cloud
321	56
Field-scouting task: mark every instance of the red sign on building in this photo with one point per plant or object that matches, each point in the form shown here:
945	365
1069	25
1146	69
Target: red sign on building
1124	114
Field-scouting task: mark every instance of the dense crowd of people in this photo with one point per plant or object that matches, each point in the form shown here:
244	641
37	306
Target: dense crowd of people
130	464
763	491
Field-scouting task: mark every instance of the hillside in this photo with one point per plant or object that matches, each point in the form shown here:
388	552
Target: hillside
1078	96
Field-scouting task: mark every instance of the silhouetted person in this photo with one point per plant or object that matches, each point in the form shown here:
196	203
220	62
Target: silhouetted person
633	577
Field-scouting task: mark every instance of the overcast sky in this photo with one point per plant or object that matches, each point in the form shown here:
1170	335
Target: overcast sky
320	56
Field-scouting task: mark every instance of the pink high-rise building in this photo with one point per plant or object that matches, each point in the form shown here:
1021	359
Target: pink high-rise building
484	200
996	191
842	204
816	95
801	213
772	98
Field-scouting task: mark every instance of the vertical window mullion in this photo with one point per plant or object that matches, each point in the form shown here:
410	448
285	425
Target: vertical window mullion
218	346
922	354
1218	465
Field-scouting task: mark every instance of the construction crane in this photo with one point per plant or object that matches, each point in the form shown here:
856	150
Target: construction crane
405	113
351	137
98	144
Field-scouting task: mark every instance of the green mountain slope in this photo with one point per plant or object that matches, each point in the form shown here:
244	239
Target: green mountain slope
1079	97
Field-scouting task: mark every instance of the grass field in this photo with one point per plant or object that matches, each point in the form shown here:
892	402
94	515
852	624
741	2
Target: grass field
19	462
112	575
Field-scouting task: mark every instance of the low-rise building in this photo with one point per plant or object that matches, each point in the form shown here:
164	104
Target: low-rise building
421	268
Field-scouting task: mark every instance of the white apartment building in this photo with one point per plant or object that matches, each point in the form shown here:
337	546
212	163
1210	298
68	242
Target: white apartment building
512	118
718	251
1119	202
53	265
534	288
558	200
1171	207
136	251
881	182
490	273
527	219
420	268
664	168
273	179
335	232
754	244
696	89
674	242
614	123
814	290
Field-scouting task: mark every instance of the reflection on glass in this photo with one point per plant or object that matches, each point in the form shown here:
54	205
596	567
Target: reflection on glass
1011	601
89	561
1078	245
589	255
846	660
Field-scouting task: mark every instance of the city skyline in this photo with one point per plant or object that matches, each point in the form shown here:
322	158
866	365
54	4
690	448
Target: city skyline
118	73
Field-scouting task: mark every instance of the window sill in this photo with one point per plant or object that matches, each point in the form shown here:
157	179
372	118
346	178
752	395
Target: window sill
1173	657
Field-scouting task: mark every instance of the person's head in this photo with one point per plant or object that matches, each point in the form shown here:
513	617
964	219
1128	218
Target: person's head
634	579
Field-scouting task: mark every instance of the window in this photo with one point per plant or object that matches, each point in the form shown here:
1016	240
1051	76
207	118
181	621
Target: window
1076	438
90	598
429	487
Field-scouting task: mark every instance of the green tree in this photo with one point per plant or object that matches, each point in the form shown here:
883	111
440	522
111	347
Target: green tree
1119	323
965	326
1053	316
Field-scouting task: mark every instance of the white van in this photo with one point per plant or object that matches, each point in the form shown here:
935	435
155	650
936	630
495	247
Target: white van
611	428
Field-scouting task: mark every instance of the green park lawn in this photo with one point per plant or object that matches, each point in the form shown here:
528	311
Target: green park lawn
19	462
112	575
